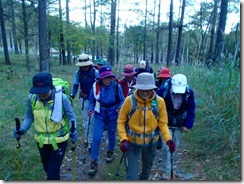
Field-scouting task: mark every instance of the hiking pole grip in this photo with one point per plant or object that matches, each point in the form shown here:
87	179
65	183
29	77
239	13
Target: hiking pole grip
17	122
72	132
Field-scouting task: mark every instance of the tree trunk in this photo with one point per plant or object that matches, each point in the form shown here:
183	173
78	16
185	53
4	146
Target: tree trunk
4	37
112	33
213	26
220	33
68	33
177	55
169	55
157	34
61	36
26	37
145	33
44	63
16	50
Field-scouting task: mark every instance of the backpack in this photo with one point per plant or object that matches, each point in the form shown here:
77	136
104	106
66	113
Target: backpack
64	84
154	108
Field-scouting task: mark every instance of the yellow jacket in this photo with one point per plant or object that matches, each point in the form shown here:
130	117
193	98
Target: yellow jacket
143	122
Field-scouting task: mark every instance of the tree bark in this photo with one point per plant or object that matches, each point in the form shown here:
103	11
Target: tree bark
44	63
112	33
4	36
16	50
220	33
169	53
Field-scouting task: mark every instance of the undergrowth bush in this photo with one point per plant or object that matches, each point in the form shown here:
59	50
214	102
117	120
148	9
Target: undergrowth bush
216	134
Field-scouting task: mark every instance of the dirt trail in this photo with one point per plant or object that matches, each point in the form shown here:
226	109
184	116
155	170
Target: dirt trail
182	171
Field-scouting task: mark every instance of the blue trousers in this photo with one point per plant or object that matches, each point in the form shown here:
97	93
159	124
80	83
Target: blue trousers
99	125
52	159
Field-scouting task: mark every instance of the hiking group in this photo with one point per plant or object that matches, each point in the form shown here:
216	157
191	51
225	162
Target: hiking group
145	113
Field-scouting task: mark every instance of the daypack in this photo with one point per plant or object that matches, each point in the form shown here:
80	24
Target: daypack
154	108
64	84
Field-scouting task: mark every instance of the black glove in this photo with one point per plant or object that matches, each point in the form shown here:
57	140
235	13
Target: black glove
72	96
18	133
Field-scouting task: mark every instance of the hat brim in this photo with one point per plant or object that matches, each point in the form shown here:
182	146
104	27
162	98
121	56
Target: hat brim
163	76
145	87
106	74
128	74
40	90
179	89
84	63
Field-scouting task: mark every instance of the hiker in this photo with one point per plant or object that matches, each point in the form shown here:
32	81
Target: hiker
84	77
149	69
139	131
99	63
51	112
180	104
106	99
128	80
141	68
163	76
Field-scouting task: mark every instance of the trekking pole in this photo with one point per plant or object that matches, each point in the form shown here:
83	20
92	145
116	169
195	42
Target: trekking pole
120	162
86	146
171	156
73	151
18	145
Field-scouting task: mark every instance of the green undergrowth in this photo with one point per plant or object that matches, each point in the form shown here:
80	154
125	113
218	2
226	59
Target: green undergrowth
215	139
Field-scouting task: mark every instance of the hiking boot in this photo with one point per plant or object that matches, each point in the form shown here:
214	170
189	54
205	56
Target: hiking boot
109	158
93	169
85	144
164	177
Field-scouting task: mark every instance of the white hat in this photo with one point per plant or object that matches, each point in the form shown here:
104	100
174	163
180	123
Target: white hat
145	81
83	60
142	64
179	83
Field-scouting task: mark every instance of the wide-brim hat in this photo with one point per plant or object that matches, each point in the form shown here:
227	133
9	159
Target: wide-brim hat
128	71
165	73
145	81
179	82
83	60
41	83
105	71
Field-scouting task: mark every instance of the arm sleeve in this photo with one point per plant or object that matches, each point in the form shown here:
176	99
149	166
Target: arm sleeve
121	96
92	100
68	110
76	83
29	117
190	111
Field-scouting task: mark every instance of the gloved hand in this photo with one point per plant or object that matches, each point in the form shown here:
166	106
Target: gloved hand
74	136
171	145
72	96
124	146
89	113
18	133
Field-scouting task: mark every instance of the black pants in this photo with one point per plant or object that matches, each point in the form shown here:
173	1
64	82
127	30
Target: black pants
52	159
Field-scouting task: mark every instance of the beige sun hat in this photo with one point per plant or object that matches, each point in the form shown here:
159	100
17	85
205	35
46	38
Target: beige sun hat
83	60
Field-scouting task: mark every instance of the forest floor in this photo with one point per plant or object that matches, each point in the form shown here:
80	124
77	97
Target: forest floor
185	167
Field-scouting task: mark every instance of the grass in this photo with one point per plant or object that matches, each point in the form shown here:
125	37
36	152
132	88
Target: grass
216	135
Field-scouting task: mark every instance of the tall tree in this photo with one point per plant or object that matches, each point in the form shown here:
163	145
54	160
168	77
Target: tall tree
68	33
61	36
16	49
26	35
169	52
177	55
42	27
145	33
112	33
220	32
4	36
212	33
157	34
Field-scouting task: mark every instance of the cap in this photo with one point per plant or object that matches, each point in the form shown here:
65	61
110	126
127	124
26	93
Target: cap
142	64
41	83
179	83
